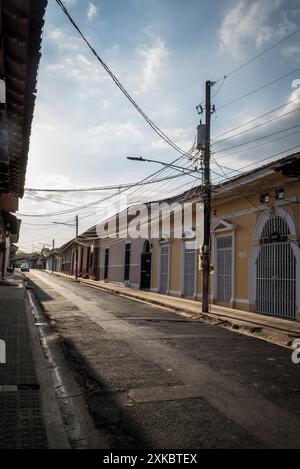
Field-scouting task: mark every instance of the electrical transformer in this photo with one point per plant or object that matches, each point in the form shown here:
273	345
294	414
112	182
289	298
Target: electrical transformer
201	136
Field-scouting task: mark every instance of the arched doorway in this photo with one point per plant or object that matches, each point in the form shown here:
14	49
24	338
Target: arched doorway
276	270
146	261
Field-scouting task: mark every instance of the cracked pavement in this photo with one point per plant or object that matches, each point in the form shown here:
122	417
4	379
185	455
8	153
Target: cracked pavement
152	378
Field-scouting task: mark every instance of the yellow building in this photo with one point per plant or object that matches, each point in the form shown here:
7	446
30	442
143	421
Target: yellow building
255	245
255	235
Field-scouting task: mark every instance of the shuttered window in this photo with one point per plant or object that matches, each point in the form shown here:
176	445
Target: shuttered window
127	261
224	268
164	269
190	254
106	263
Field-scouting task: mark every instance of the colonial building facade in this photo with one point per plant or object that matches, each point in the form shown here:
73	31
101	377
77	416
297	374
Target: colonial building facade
254	242
255	246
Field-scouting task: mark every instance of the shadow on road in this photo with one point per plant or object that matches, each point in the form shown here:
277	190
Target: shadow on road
110	409
41	293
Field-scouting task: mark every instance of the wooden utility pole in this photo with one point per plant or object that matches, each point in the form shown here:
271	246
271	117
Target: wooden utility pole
53	247
207	201
76	255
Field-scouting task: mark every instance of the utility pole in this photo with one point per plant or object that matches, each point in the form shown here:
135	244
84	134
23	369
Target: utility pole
207	201
76	255
76	240
53	247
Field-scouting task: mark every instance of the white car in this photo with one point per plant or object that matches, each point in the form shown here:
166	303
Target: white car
24	267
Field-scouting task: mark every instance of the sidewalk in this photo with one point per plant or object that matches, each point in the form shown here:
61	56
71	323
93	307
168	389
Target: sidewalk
266	327
21	422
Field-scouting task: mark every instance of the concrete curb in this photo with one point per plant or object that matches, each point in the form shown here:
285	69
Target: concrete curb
77	430
57	437
219	316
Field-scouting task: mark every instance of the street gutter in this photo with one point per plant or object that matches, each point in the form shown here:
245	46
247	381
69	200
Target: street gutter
56	435
72	422
220	317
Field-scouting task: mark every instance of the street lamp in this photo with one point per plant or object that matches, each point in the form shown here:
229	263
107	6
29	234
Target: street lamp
181	169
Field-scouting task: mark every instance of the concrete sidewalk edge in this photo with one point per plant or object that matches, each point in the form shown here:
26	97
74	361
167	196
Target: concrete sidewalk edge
271	329
56	434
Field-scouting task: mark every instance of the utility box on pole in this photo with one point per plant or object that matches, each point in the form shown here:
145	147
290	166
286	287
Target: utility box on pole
201	136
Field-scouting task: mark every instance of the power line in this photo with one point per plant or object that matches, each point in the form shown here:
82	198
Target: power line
220	87
178	199
156	173
271	156
267	158
184	198
34	196
238	184
147	201
104	188
258	138
40	225
75	209
242	194
258	89
217	91
240	67
253	120
257	146
256	126
224	167
154	127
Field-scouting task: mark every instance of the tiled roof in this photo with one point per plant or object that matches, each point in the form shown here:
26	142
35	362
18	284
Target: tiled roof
21	23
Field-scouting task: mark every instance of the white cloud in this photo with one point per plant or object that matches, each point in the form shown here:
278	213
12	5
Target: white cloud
105	104
50	180
83	70
154	61
182	136
112	131
248	23
92	11
63	40
266	146
45	127
292	52
293	100
295	95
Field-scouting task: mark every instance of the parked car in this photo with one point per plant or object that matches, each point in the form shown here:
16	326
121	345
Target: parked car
11	268
24	267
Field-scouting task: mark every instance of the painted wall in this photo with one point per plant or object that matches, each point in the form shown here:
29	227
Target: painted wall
238	217
116	267
233	215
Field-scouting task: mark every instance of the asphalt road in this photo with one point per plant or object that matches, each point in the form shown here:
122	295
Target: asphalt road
152	378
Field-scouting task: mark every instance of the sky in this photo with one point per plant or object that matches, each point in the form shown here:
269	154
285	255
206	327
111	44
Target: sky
162	51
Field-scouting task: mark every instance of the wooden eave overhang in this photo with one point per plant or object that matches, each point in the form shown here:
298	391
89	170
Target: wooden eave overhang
21	24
